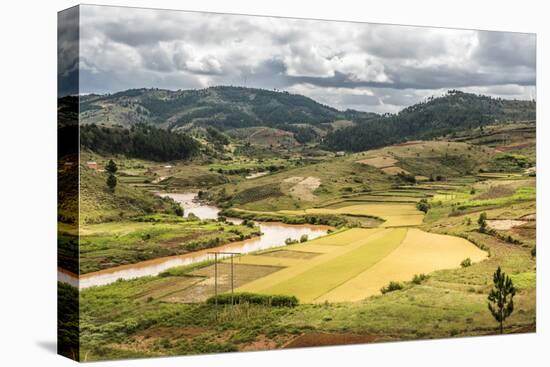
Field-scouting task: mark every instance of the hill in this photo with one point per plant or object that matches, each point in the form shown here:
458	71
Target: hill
402	169
456	111
98	204
140	141
224	107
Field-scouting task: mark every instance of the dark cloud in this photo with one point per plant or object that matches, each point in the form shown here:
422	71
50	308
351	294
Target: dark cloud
507	49
402	42
67	51
372	67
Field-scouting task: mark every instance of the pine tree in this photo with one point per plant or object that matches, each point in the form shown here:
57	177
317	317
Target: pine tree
111	182
111	167
501	303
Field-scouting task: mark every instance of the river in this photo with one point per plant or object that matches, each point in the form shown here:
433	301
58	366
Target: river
273	235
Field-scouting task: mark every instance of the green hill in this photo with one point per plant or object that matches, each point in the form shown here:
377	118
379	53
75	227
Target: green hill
223	107
98	204
456	111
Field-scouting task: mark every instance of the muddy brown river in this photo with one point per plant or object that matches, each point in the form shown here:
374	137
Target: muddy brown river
273	234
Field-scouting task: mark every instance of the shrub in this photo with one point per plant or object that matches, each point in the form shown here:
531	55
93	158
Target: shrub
290	241
423	205
419	278
466	262
406	177
392	286
534	251
254	298
482	221
303	238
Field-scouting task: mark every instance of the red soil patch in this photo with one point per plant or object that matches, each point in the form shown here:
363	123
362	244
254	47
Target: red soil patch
325	339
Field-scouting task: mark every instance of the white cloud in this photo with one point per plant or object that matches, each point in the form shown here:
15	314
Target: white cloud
363	66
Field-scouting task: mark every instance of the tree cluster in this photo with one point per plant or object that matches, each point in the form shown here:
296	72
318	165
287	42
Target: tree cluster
140	141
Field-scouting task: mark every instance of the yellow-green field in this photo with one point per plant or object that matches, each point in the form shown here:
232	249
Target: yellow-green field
393	214
355	264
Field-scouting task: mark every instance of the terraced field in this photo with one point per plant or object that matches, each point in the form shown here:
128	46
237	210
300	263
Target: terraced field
355	264
394	214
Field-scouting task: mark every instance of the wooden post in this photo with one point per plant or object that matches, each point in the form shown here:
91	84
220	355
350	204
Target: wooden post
232	299
216	280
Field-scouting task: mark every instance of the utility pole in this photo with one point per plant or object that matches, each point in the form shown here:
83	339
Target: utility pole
231	254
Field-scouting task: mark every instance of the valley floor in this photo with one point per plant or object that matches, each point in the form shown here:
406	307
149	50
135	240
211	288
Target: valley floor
384	237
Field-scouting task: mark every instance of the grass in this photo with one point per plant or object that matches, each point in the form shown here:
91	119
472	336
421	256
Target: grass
151	316
112	244
116	323
394	214
309	282
419	252
98	204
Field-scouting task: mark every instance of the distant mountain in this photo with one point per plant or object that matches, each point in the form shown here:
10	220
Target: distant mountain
230	108
223	107
453	112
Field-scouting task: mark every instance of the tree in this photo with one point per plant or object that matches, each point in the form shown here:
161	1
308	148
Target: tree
111	167
482	221
111	182
501	303
423	205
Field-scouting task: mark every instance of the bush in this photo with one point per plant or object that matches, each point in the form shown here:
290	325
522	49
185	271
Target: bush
254	298
466	262
419	278
392	286
482	221
290	241
534	251
423	205
303	238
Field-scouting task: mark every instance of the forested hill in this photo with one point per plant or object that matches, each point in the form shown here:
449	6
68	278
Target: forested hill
436	117
223	107
140	141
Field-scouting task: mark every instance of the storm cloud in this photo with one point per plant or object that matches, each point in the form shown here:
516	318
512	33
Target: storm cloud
369	67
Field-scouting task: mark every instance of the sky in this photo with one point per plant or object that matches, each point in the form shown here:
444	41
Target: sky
367	67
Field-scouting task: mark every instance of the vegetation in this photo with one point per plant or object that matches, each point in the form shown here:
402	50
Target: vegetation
106	245
430	218
223	107
252	298
391	287
99	204
466	262
423	205
419	278
140	141
436	117
482	221
501	297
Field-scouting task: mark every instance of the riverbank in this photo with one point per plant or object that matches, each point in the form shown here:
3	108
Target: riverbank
149	245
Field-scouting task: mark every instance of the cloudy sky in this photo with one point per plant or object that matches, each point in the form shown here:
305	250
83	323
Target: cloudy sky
369	67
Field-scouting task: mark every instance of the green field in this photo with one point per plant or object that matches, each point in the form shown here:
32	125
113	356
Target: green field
112	244
379	235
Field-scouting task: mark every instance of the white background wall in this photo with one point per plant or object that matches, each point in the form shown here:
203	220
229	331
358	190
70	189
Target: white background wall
28	182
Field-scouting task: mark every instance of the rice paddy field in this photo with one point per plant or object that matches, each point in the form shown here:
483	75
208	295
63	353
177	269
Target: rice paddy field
341	279
355	264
